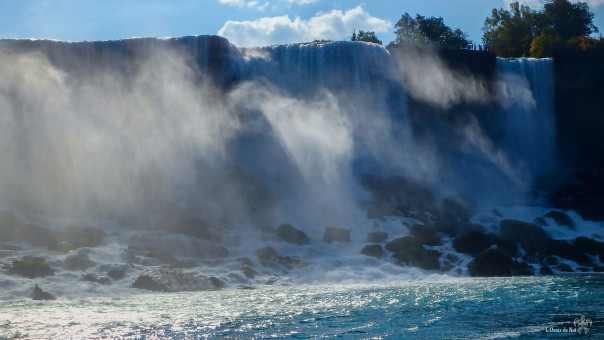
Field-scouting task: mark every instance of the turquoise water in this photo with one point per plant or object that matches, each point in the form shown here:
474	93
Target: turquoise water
526	307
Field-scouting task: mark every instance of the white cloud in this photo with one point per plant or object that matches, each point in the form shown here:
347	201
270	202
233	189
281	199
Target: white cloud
537	4
243	3
280	30
301	2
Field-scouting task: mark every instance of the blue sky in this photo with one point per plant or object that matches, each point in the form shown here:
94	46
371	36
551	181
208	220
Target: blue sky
244	22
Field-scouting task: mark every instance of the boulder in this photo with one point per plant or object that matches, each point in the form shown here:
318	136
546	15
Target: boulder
11	230
458	208
495	262
587	245
101	279
269	257
373	250
561	218
567	251
377	236
401	244
40	294
172	280
529	235
419	257
332	234
73	238
545	270
116	274
78	262
31	268
472	243
425	235
396	194
292	235
563	267
197	228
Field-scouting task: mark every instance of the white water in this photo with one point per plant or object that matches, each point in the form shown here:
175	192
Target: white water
131	136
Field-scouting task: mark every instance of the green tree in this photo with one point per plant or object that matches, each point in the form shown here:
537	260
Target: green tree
368	37
428	31
510	33
568	20
522	32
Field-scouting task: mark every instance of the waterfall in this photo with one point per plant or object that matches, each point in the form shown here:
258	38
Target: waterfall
528	121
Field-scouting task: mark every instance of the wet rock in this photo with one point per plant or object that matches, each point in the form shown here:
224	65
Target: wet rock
396	194
30	268
401	244
172	280
40	294
249	272
458	208
101	279
567	251
545	270
529	235
197	228
377	236
563	267
494	262
269	257
218	283
472	243
292	235
11	230
116	274
373	250
73	238
245	261
425	235
78	262
561	218
587	245
333	234
540	221
419	257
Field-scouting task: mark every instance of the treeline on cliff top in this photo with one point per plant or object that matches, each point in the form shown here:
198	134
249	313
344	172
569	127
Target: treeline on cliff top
515	32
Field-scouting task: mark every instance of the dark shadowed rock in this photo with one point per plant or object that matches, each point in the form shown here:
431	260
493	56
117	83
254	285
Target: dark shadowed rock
396	194
101	279
373	250
40	294
401	244
563	267
78	262
172	280
116	274
269	257
419	257
540	221
73	238
472	243
561	218
494	262
587	245
458	208
292	235
11	230
31	268
332	234
425	235
545	270
197	228
377	236
218	283
529	235
567	251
